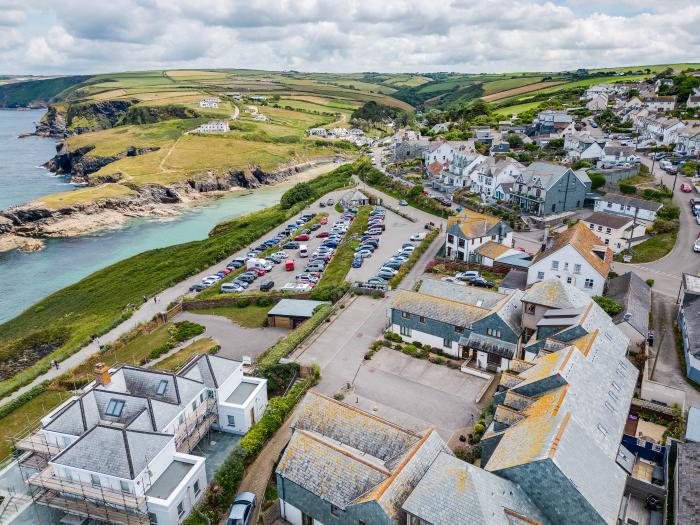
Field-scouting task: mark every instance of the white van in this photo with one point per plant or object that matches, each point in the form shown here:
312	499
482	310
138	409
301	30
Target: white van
303	250
418	236
258	264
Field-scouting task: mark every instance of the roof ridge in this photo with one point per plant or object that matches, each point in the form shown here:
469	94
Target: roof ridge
439	298
343	451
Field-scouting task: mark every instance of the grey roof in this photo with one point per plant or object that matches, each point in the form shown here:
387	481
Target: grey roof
634	295
296	307
437	308
610	220
692	428
453	491
555	294
514	280
687	482
212	370
460	293
691	322
171	477
489	344
242	392
511	311
69	420
113	451
617	150
519	260
631	201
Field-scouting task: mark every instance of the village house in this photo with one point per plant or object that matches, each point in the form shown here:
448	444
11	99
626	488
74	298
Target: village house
492	172
215	126
658	129
210	102
121	449
409	149
545	296
687	139
634	296
619	232
639	209
552	124
693	101
544	188
317	132
440	127
660	103
576	256
468	230
493	253
616	155
689	324
581	146
598	102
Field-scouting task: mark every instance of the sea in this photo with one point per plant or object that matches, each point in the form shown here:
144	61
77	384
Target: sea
25	278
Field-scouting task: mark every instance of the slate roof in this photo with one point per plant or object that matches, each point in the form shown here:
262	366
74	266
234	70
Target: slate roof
489	344
212	370
514	280
691	318
609	220
113	451
631	201
583	240
555	294
692	428
634	295
471	224
547	172
453	491
295	307
462	294
687	482
438	309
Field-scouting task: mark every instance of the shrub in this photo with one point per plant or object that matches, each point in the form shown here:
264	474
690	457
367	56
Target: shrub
608	305
243	303
479	428
669	212
393	337
597	180
438	360
417	344
263	301
424	353
185	330
410	350
368	355
627	189
398	346
650	282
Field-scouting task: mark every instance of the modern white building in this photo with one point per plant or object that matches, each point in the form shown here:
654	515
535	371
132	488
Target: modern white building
215	126
120	451
639	209
619	232
576	257
210	102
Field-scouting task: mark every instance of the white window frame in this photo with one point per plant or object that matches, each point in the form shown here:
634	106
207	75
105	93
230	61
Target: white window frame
231	420
405	331
588	283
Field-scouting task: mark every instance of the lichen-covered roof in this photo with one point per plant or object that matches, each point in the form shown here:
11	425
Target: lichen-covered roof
473	224
492	249
461	294
438	309
583	240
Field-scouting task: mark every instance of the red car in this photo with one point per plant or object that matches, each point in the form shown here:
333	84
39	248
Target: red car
685	188
324	220
260	272
302	237
322	235
289	266
227	270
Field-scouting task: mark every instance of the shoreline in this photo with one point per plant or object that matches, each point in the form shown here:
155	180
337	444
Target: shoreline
29	225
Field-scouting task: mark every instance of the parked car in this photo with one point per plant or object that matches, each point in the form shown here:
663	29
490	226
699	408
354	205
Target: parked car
403	203
483	283
291	246
452	280
315	267
242	510
418	236
302	237
231	288
377	280
468	275
330	202
696	246
315	227
357	262
686	188
198	287
267	286
322	235
236	263
363	254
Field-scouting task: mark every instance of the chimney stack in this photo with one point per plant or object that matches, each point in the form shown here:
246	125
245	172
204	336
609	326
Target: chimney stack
102	376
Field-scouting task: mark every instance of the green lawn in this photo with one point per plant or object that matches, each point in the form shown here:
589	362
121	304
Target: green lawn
517	109
252	316
652	249
175	361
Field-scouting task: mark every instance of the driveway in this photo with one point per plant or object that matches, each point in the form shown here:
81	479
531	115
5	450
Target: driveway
236	341
667	271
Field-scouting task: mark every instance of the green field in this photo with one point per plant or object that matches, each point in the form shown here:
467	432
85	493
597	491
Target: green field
517	109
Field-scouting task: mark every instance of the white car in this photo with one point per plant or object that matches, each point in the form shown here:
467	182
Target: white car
452	280
281	255
697	219
696	246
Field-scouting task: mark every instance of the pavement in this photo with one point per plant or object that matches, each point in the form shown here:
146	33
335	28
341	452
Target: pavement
146	311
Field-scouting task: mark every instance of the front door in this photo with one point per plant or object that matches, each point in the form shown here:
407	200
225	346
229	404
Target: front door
252	417
306	519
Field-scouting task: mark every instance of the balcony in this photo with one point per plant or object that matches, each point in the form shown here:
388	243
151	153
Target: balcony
46	479
88	509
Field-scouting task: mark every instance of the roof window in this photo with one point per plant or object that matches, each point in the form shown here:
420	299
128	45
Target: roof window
162	387
115	407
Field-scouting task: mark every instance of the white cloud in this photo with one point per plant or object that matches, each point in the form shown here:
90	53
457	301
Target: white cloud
83	36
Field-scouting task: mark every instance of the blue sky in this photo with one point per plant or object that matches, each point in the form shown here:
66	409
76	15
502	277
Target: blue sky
88	36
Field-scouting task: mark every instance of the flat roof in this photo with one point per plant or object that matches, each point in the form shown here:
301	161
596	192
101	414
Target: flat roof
242	392
169	480
295	307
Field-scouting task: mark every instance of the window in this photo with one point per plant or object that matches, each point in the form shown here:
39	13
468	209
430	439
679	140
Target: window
566	266
194	405
95	481
210	394
493	332
421	319
405	315
114	407
447	343
180	510
540	275
530	308
555	265
334	510
600	228
608	230
591	226
162	387
577	268
124	486
196	488
610	204
459	329
588	283
602	430
181	419
201	397
405	330
450	238
231	421
461	243
569	280
153	519
607	241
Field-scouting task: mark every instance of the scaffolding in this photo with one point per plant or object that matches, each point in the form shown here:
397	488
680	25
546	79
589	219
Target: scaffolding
196	426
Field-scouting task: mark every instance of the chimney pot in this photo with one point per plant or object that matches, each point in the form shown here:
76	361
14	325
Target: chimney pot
102	376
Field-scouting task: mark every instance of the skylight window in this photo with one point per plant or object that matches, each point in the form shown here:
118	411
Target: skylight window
602	430
609	406
162	387
115	407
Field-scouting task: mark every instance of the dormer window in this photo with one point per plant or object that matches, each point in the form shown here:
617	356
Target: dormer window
115	407
162	387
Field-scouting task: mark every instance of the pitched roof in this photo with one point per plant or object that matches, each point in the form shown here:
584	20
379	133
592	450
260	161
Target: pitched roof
212	370
634	295
438	309
631	201
514	280
113	451
492	249
688	480
691	316
462	294
583	240
555	294
453	491
473	224
610	220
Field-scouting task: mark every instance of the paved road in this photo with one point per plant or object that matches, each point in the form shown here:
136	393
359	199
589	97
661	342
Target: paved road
667	271
143	314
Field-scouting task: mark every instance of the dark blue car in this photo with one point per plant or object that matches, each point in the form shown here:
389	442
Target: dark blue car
357	262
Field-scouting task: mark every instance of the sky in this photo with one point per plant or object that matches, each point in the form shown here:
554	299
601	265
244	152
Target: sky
476	36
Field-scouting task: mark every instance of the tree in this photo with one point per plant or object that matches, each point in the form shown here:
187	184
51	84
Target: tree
415	191
297	193
608	305
690	168
514	141
632	93
597	180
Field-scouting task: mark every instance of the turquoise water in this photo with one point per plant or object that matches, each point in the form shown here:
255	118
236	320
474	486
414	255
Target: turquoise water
27	277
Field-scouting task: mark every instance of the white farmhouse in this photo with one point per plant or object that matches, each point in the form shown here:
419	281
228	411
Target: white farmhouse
492	172
581	146
619	232
215	126
210	102
576	257
660	103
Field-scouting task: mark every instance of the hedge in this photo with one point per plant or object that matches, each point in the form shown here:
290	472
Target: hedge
413	259
229	475
20	400
286	346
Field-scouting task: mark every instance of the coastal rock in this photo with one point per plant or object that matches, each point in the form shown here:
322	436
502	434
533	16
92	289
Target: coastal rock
15	242
79	164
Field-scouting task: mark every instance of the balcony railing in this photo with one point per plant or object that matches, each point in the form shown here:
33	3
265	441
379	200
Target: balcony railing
88	509
48	480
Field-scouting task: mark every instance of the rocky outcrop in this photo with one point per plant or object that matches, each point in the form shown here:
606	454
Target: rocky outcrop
53	124
79	164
